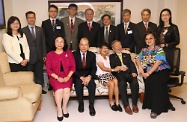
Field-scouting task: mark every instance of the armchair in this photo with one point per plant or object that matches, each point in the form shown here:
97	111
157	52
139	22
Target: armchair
20	97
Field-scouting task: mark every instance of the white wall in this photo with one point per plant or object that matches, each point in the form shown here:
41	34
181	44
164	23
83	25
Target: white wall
178	8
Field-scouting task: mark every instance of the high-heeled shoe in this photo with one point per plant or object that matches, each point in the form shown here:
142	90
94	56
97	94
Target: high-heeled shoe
66	115
60	118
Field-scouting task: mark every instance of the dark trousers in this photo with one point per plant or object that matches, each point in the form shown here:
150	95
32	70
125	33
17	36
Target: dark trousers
122	85
17	67
79	90
37	69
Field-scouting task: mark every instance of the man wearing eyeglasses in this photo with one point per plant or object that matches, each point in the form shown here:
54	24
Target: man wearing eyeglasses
52	28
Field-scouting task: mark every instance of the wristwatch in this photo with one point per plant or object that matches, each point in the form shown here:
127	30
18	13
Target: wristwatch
112	70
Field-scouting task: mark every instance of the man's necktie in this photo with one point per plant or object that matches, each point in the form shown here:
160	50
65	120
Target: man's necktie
72	26
125	29
83	61
146	26
53	24
32	32
89	26
106	35
121	60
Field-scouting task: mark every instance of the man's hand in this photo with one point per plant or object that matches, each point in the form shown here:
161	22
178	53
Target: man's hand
134	75
44	59
123	68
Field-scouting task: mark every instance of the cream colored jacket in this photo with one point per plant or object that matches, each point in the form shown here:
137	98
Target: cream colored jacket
12	48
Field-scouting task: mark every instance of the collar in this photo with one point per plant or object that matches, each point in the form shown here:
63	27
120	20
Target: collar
72	18
89	22
107	26
146	23
82	53
52	19
126	23
31	26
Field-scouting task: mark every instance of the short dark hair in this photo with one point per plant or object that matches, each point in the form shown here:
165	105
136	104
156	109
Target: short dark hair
161	23
146	9
53	6
154	35
104	45
105	16
65	43
10	21
72	5
126	11
29	12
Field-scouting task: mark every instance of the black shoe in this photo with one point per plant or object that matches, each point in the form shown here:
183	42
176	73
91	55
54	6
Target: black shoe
60	118
153	115
81	107
92	110
113	107
50	88
119	108
44	92
66	115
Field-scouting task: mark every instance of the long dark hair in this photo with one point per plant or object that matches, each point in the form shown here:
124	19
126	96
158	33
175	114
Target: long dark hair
161	23
10	21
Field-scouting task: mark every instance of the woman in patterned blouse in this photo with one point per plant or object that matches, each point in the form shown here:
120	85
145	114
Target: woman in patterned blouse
156	75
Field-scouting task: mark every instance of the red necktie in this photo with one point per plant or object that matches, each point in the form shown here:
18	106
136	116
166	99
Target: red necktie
72	26
146	26
83	61
89	26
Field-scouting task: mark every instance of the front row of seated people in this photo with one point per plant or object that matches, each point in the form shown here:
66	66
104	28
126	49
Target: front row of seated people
114	71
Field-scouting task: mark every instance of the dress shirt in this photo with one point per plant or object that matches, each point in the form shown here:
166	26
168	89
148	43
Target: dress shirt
70	20
33	29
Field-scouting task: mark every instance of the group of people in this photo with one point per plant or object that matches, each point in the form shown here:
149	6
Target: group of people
29	47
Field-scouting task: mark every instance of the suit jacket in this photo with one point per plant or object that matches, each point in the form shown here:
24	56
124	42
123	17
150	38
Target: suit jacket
140	32
115	61
68	36
37	46
12	47
127	40
113	35
92	36
50	35
90	68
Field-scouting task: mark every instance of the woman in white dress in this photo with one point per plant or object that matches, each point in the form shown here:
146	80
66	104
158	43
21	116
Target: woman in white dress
104	73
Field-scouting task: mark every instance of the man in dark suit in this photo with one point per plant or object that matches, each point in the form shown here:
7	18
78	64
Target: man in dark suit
128	74
52	28
89	29
36	42
84	75
126	32
108	33
141	28
71	24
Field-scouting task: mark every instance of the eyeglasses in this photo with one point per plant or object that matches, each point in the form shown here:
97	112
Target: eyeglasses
165	15
53	11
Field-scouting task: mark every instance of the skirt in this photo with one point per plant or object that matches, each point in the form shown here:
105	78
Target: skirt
104	78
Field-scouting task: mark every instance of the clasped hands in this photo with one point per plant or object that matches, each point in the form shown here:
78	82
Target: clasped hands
123	68
85	80
65	79
141	72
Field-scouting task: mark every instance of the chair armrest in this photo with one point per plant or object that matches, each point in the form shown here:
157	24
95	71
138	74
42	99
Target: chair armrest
7	93
18	78
182	72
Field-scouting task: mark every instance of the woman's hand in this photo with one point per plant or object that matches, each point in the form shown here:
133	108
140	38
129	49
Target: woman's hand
24	62
145	75
61	80
66	79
